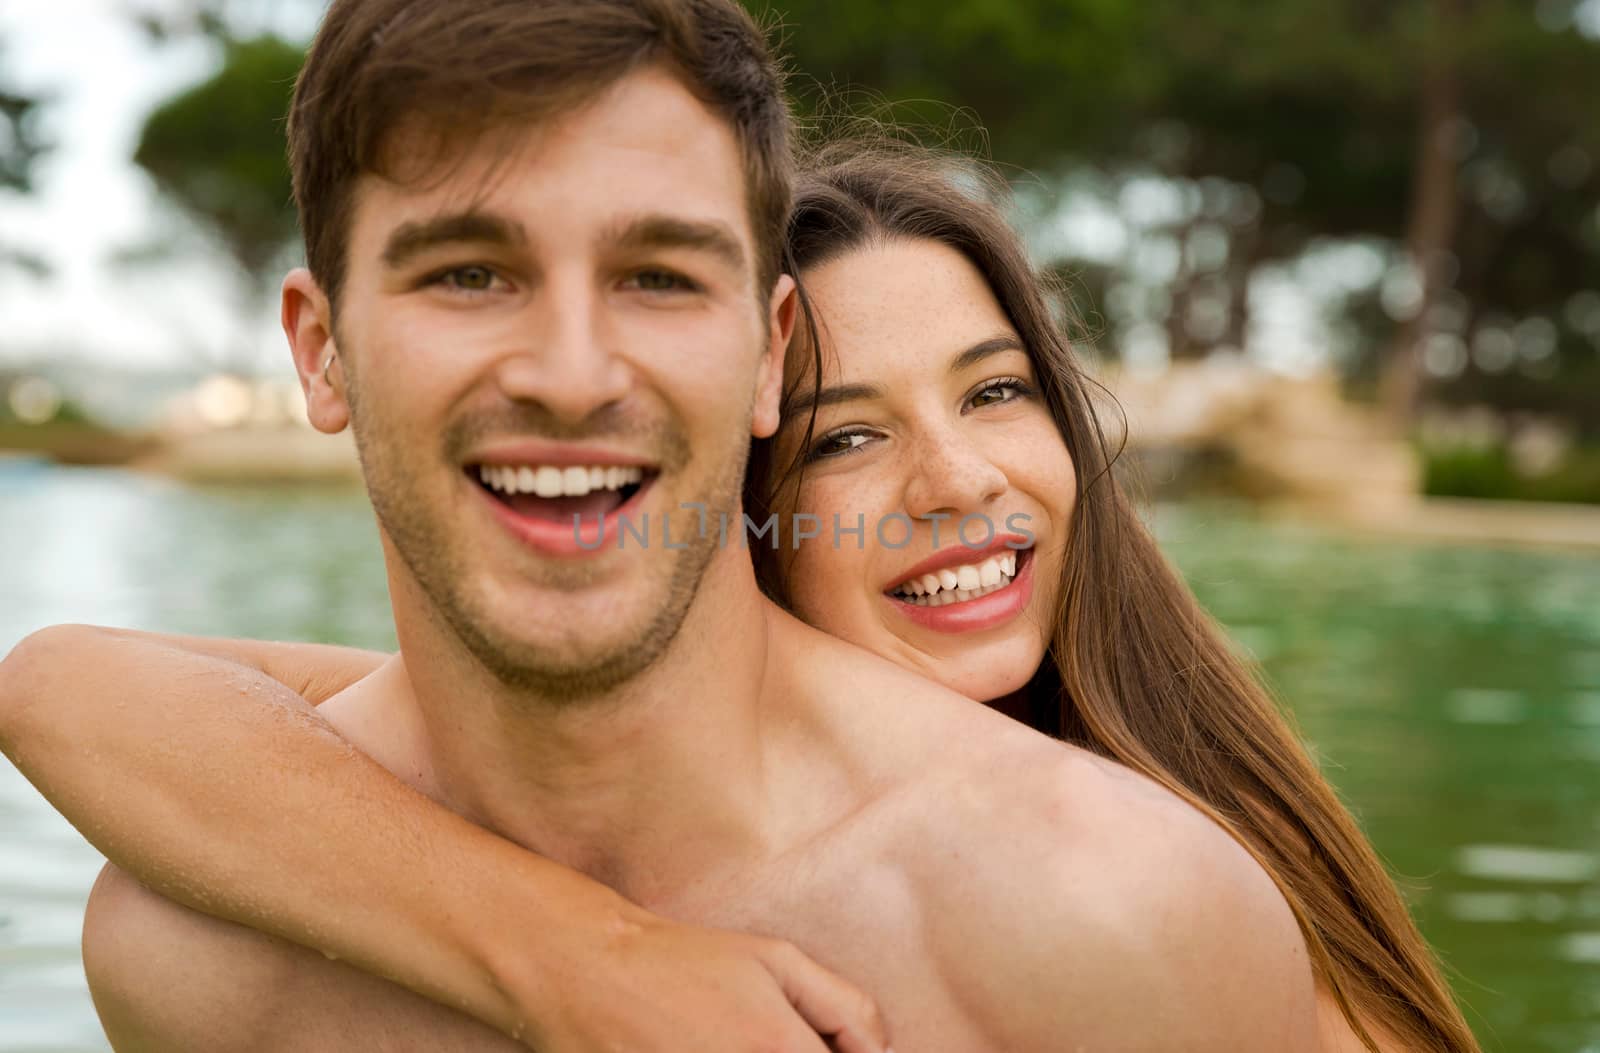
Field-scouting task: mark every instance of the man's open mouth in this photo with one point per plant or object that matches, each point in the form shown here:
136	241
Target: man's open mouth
556	493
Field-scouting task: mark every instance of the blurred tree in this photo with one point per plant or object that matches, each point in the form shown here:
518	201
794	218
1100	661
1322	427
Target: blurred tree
1051	80
1525	297
1454	131
216	150
1466	147
21	146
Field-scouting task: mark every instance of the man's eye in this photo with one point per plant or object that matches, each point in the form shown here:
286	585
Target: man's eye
470	279
660	281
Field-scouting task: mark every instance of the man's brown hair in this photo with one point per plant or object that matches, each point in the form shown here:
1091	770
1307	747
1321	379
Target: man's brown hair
458	70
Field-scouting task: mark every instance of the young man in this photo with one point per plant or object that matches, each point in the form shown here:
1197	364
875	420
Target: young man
545	235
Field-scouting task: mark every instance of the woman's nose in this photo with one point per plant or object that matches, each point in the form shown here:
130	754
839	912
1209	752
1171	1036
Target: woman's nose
952	476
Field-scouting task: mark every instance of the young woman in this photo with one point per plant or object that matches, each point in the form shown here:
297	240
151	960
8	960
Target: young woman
147	745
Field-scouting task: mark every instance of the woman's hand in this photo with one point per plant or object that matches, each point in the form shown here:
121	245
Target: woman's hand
648	985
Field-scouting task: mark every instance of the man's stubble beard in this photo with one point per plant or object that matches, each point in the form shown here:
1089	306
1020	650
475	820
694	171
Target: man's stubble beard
423	541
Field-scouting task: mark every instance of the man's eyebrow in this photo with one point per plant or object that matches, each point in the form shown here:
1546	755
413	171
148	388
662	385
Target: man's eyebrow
411	239
673	232
983	349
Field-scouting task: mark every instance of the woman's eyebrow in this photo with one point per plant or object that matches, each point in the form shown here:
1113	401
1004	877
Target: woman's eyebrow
803	401
983	349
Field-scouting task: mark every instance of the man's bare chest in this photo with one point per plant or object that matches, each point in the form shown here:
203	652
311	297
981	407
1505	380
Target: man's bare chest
862	915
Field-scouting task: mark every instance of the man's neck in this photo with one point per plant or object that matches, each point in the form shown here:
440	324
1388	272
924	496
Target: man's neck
652	783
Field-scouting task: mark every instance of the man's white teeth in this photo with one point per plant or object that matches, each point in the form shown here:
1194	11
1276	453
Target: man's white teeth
954	584
547	480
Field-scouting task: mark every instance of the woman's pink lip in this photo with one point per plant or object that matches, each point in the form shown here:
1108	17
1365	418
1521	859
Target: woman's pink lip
985	612
547	537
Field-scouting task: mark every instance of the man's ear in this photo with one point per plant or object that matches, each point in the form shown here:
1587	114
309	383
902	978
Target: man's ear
308	323
783	311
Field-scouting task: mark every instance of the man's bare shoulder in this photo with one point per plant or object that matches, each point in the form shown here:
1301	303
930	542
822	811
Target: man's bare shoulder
1061	897
136	955
873	703
1069	895
166	979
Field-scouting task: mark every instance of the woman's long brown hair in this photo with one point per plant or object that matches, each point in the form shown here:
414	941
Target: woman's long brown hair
1138	672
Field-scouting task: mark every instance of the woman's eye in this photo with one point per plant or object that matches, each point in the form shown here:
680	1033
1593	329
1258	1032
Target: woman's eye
1000	391
839	443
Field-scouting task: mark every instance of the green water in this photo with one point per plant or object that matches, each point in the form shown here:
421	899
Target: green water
1453	697
1452	693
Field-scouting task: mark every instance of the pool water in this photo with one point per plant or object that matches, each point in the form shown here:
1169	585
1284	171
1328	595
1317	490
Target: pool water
1451	693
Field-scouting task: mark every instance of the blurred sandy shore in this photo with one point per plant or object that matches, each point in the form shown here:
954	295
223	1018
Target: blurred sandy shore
1366	495
1450	519
1293	446
285	453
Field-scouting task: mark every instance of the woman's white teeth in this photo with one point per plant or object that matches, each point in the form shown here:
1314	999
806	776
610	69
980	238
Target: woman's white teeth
954	584
547	480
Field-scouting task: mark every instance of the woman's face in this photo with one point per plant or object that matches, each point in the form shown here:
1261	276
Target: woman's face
933	437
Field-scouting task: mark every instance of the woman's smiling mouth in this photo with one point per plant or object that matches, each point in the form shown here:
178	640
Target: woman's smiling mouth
966	581
991	588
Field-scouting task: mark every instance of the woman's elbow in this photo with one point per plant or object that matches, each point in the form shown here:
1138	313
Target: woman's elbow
30	671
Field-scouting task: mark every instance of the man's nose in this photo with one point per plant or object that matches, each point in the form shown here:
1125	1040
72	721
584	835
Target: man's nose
953	476
567	357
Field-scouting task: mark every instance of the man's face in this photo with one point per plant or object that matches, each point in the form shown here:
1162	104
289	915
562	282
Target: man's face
578	319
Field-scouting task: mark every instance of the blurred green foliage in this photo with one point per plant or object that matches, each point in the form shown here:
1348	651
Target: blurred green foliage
217	150
1491	472
68	415
21	147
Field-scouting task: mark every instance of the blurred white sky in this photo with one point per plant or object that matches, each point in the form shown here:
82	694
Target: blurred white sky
90	199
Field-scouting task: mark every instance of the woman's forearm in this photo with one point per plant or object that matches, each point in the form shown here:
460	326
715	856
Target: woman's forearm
315	672
222	789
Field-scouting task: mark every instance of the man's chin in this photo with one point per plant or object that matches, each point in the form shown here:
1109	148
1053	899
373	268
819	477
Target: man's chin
572	644
566	673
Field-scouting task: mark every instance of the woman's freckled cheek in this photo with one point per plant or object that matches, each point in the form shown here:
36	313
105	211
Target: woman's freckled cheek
833	581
